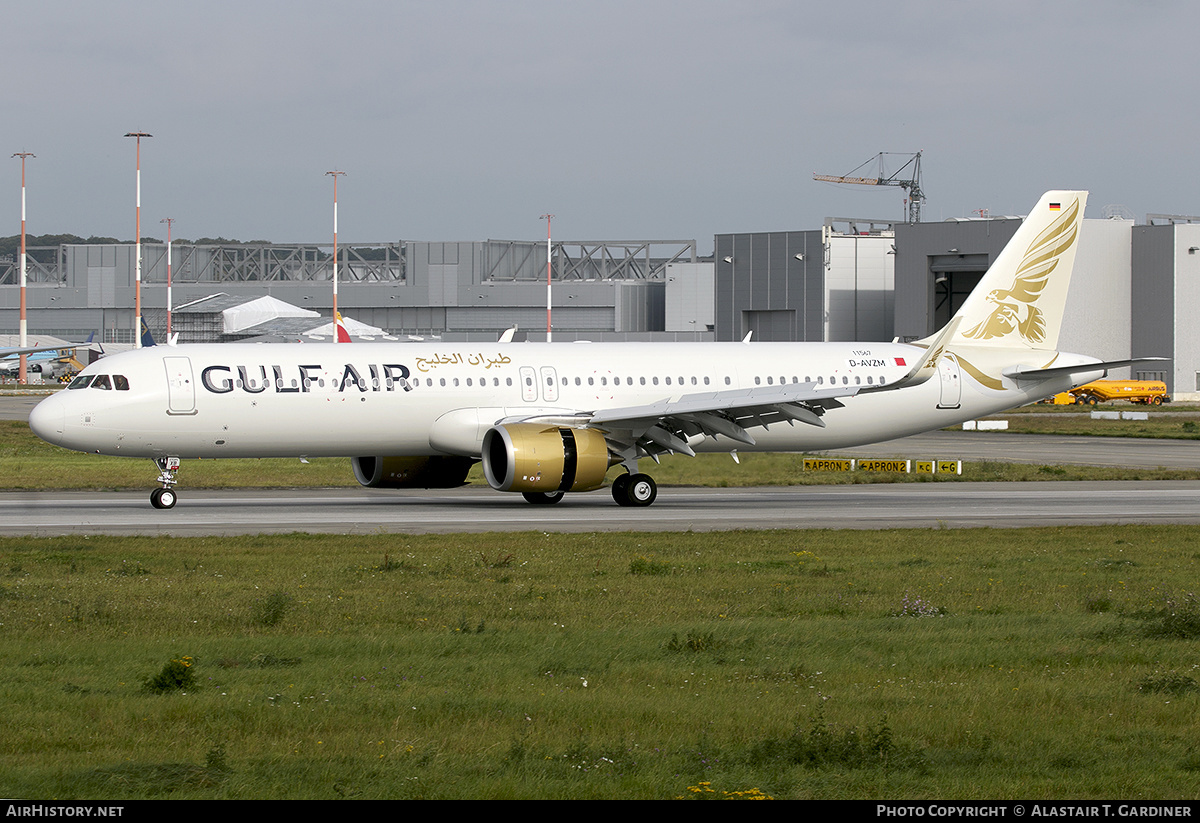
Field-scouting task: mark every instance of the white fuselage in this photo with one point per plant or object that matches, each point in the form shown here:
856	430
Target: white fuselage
313	400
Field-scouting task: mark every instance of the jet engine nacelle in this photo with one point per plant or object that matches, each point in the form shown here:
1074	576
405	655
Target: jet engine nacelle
534	457
411	472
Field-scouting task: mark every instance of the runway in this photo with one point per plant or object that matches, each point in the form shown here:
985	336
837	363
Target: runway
467	510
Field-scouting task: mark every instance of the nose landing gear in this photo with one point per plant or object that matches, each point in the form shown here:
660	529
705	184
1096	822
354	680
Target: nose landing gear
165	497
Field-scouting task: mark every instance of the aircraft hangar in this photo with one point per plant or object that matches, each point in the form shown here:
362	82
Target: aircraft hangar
1135	289
1133	293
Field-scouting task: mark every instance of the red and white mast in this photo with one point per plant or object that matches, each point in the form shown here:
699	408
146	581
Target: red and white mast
137	261
549	249
24	329
337	326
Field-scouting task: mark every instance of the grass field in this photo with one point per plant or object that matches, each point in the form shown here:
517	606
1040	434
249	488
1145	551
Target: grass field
1035	663
1026	663
1176	422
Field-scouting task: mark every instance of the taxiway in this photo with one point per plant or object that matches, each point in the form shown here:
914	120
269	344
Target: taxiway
474	509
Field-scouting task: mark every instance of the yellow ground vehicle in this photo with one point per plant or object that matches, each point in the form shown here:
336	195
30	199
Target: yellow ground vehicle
1146	392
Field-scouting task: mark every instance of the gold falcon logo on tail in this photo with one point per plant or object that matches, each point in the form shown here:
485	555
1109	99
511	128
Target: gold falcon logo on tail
1014	308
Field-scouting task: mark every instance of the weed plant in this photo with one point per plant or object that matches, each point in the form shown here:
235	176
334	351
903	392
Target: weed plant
176	675
815	664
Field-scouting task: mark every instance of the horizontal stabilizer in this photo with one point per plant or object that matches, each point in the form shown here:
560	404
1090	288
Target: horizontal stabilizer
1081	368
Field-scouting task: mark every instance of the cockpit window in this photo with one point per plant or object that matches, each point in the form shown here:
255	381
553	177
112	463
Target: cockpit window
102	382
82	381
120	382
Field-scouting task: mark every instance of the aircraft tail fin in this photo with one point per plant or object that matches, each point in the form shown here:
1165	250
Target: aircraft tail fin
1019	302
147	338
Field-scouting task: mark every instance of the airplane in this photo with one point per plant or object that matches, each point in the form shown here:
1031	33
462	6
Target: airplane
53	360
546	419
14	351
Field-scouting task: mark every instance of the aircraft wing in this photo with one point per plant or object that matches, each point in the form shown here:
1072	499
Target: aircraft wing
664	426
14	351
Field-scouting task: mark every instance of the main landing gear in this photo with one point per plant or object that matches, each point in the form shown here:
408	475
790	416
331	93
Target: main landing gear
631	489
165	497
634	490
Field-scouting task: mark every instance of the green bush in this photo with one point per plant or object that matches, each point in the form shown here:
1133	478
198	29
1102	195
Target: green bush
176	675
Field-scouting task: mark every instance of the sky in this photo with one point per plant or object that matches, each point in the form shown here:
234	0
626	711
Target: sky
627	120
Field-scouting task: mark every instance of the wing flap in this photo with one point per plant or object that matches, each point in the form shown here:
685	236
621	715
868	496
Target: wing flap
666	425
735	403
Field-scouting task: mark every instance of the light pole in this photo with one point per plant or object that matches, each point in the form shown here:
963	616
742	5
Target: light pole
168	221
336	324
137	260
549	249
22	374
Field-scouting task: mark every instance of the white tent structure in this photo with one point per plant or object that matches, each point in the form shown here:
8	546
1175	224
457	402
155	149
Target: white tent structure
258	311
353	327
225	317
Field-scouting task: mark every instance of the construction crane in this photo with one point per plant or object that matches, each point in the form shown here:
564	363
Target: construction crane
911	184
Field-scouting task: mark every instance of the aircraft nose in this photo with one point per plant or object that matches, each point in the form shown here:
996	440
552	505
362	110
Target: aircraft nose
47	418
